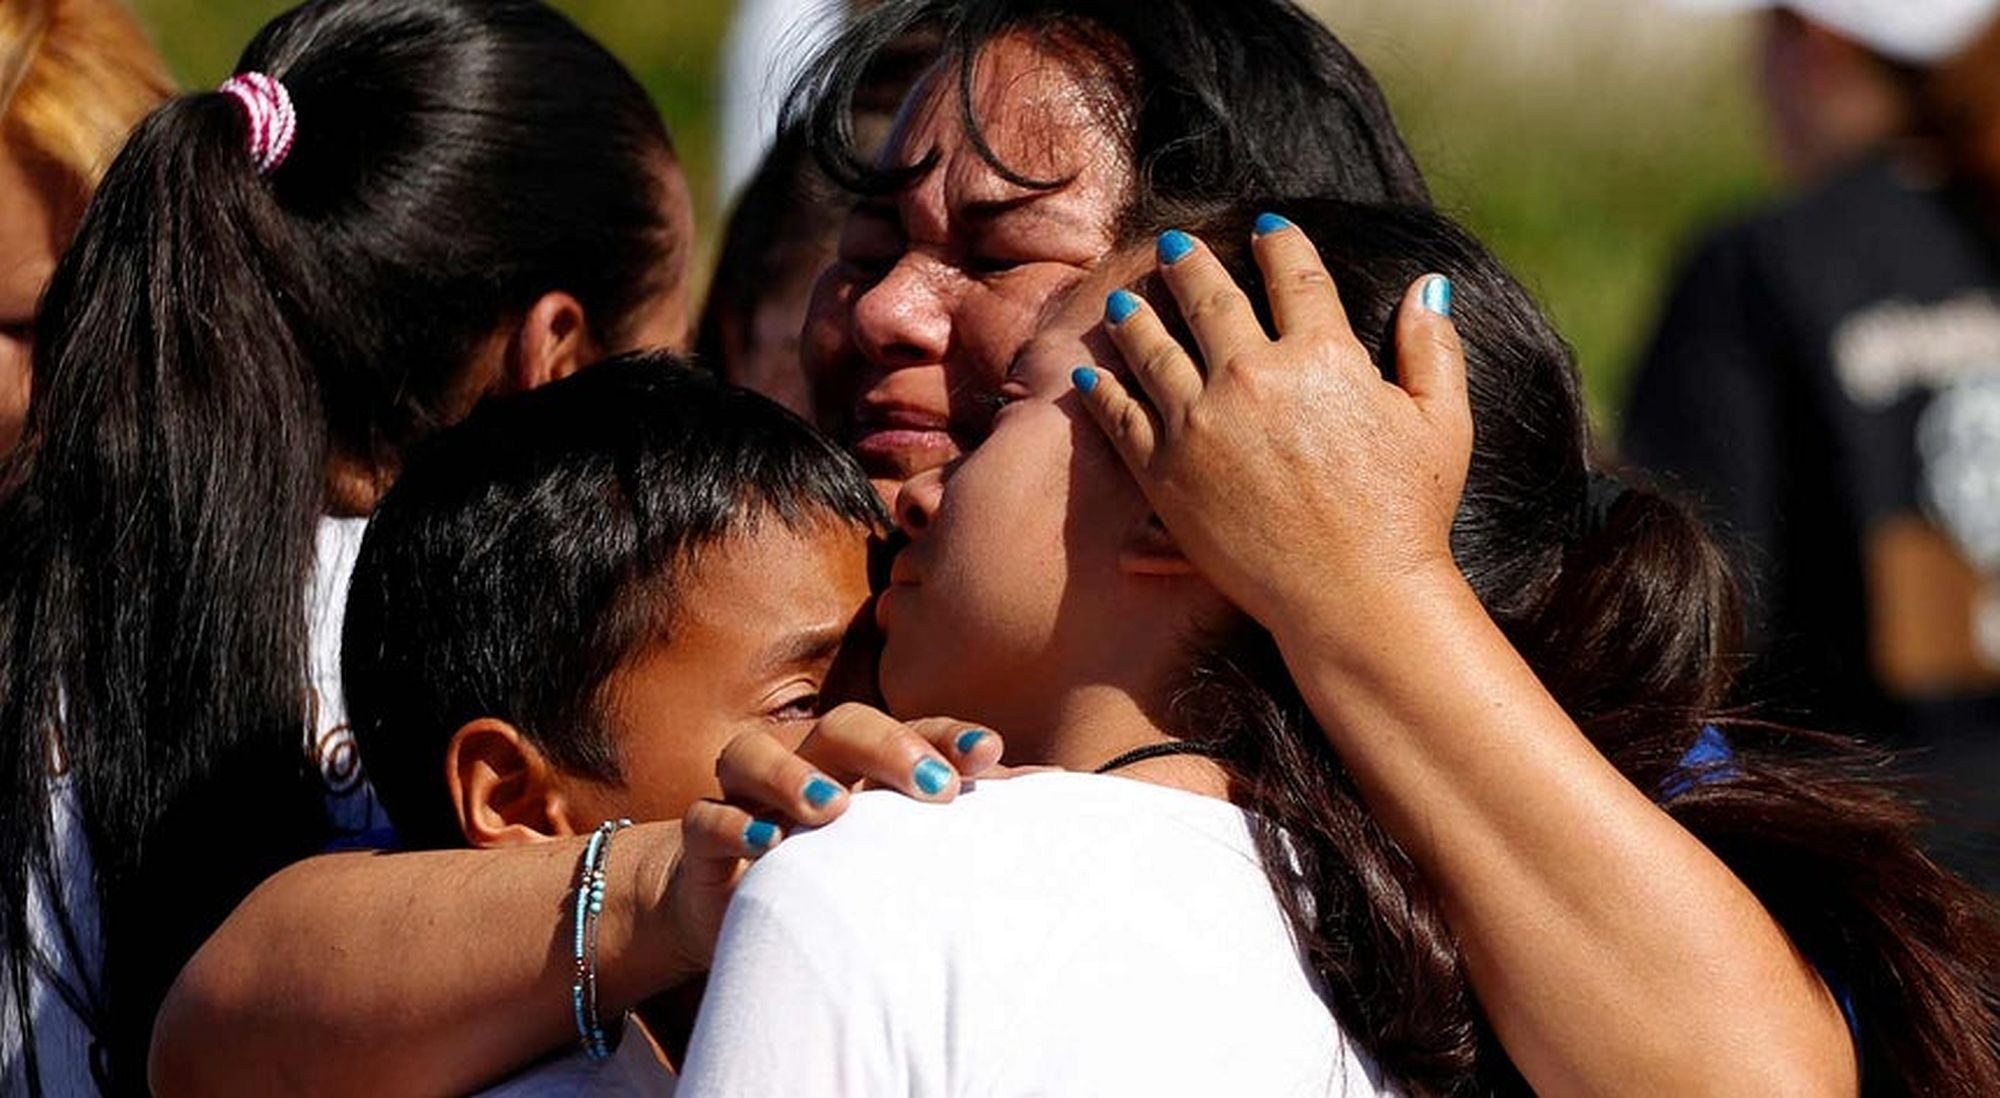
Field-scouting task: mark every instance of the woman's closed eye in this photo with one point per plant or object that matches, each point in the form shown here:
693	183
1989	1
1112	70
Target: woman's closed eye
985	264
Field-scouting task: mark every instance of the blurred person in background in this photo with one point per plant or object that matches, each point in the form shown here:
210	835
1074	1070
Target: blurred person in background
769	44
781	234
1826	376
75	76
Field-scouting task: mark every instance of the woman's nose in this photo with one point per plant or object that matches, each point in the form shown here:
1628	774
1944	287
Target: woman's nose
917	502
905	319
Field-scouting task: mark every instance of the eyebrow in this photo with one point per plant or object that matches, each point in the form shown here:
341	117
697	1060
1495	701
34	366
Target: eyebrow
812	645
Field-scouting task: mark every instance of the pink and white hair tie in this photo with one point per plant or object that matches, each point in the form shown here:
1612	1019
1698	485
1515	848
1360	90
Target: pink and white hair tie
273	122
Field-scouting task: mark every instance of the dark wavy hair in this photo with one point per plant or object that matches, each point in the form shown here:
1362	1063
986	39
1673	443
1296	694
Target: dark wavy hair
1235	98
211	341
527	553
1627	611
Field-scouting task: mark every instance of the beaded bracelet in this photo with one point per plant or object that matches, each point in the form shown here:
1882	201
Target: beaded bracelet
590	905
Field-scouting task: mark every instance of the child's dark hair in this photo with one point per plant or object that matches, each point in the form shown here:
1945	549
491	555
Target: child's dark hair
528	552
1626	610
213	340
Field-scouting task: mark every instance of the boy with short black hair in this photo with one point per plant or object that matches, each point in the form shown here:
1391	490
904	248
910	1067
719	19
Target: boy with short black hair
569	603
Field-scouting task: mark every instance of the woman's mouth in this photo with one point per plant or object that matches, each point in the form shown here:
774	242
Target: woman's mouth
898	443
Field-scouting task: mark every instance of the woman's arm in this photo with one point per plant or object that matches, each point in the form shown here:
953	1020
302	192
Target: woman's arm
438	972
1613	952
433	972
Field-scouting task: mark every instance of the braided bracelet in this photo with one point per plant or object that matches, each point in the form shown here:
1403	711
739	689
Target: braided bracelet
590	905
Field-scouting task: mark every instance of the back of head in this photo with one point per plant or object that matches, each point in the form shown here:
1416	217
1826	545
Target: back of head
1623	604
75	77
221	333
1222	100
529	551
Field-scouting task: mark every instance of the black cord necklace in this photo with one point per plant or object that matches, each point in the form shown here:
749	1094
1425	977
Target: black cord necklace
1160	751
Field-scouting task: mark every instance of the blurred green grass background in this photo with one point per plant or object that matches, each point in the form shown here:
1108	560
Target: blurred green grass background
1584	141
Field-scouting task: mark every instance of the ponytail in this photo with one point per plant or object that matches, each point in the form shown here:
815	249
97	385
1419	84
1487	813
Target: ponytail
273	284
157	546
1637	638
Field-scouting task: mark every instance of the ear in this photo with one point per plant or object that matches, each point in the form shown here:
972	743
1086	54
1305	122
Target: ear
506	793
1149	550
554	341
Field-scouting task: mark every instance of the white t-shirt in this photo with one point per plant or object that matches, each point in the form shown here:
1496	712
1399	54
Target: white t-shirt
351	807
63	1040
1051	934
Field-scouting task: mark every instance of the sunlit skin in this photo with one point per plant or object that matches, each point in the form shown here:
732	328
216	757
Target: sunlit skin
32	232
762	638
936	288
1038	593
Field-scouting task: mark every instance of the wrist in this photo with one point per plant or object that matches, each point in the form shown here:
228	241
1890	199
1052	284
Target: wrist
1383	608
652	958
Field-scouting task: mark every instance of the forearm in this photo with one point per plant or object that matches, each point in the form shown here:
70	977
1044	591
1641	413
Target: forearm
1612	951
420	973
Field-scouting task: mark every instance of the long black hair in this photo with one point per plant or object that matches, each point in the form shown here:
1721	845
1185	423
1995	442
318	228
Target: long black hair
1238	98
211	343
1626	609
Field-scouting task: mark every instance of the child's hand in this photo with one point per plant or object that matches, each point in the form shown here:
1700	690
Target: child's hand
1302	484
769	788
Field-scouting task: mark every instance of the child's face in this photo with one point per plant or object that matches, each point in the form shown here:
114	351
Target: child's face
1018	585
762	635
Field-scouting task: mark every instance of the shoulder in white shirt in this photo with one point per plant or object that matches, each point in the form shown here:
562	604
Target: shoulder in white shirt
1049	934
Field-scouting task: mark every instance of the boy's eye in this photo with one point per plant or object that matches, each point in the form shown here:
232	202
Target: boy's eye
805	707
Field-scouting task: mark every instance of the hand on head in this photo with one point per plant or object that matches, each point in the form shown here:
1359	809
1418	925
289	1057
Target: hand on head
1276	444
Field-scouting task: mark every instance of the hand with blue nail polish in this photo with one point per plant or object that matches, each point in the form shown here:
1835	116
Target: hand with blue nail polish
1247	460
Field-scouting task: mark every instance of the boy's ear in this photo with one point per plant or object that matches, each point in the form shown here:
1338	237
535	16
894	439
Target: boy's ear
505	792
554	341
1149	550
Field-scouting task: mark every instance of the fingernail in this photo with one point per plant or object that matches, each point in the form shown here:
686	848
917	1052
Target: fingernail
1437	295
1270	223
970	739
1084	378
1175	246
820	792
933	776
760	835
1119	307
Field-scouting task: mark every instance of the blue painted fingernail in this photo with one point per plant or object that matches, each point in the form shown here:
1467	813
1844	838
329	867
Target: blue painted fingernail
1175	246
1119	307
933	776
821	792
1437	295
760	835
1270	223
1084	378
972	738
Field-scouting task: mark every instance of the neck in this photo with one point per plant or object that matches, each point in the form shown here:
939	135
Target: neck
1097	724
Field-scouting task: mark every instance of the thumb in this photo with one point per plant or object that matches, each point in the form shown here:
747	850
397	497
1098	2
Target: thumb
1430	360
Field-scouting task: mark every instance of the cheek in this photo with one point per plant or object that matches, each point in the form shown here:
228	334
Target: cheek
1000	537
667	769
997	320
